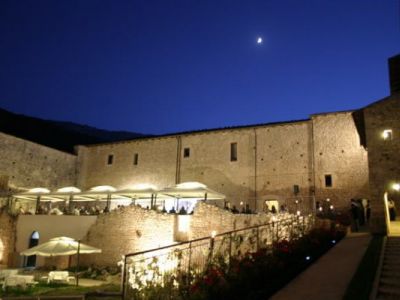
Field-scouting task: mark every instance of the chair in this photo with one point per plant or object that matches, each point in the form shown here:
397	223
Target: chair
19	280
59	276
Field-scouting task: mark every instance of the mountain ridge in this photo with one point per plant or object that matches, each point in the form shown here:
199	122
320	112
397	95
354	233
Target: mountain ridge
60	135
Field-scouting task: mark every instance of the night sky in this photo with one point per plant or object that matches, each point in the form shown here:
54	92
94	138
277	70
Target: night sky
167	66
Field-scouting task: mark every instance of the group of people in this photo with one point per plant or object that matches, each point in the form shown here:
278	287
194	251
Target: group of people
360	211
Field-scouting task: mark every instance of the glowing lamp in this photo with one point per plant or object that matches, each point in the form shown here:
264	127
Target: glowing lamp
387	134
396	186
331	207
213	234
320	208
298	213
308	257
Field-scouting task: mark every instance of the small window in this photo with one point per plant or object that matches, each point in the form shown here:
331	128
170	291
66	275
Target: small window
387	134
136	159
233	151
186	152
328	180
110	159
296	189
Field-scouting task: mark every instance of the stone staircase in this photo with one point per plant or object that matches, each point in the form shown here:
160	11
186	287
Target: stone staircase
389	281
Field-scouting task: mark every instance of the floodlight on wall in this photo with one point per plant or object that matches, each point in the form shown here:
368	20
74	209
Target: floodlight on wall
387	134
396	186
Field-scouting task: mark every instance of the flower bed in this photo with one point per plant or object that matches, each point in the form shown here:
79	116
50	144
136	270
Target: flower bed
259	275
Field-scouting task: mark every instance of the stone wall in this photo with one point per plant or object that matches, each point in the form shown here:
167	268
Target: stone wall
156	163
384	158
24	164
339	153
274	162
207	218
283	161
126	230
7	237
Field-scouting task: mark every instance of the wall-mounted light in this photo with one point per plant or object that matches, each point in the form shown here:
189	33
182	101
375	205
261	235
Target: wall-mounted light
396	186
387	134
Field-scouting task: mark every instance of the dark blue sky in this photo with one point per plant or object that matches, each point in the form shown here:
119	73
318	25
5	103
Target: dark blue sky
166	66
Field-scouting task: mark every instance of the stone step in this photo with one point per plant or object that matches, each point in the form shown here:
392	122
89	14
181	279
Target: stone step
390	281
389	291
390	268
389	275
386	297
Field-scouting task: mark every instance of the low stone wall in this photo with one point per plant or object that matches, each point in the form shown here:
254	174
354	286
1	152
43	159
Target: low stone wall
7	237
126	230
207	218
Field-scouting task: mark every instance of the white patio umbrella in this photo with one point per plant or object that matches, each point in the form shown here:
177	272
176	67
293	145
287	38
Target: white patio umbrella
61	246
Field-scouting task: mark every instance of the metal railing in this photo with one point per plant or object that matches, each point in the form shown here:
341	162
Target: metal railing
169	271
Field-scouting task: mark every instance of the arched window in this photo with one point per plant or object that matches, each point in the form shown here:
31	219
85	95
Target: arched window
33	241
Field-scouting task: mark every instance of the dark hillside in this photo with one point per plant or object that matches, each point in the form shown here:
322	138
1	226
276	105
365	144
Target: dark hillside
59	135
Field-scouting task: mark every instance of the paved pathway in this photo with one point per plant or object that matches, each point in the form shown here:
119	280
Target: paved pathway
329	277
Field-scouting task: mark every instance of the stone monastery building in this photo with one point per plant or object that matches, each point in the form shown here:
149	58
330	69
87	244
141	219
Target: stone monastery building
337	155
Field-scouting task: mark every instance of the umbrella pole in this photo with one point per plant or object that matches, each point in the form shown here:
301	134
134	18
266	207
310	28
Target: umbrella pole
77	264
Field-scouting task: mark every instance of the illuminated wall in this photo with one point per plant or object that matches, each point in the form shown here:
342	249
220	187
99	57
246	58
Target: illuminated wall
338	152
273	162
383	155
7	238
24	164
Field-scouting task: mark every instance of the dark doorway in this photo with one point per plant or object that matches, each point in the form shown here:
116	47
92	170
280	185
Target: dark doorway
33	241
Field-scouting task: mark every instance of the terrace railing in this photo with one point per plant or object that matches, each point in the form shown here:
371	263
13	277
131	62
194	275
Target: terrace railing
169	271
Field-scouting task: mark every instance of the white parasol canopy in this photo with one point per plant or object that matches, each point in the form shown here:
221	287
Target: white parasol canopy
60	246
194	190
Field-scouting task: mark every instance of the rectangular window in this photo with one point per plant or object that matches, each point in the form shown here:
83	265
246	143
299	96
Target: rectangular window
296	189
110	159
136	159
328	180
233	151
186	152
